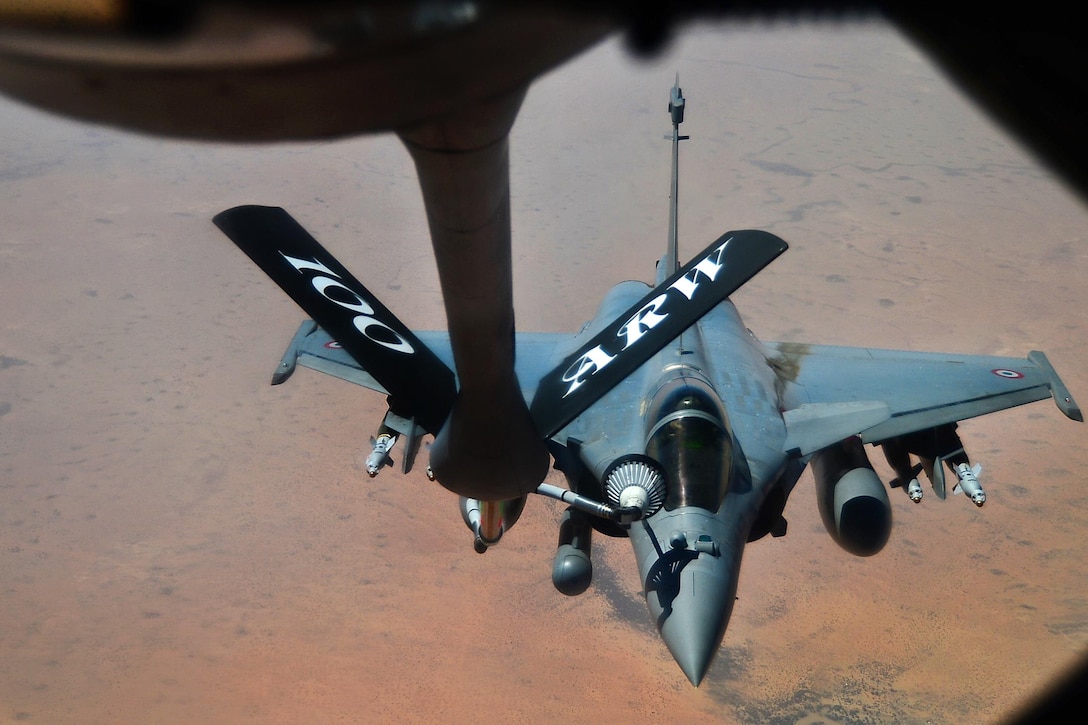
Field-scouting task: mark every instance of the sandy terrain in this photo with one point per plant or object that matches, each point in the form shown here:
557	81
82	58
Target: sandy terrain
181	542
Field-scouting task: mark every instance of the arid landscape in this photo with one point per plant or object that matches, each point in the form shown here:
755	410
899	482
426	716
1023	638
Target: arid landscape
182	543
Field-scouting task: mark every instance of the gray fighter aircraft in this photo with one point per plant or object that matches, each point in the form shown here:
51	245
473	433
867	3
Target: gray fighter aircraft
673	424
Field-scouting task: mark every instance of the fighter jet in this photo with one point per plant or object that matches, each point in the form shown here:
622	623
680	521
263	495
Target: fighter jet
673	424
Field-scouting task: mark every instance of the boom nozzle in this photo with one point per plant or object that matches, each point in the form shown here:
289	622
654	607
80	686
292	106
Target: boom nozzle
489	520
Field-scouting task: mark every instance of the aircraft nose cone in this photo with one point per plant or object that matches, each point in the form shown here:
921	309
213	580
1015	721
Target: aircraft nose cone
689	561
694	628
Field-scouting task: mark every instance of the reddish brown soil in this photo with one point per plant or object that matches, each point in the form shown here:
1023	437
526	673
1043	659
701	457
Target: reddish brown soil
180	542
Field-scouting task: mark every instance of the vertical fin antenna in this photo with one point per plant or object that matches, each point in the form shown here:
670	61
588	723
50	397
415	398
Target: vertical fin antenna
676	111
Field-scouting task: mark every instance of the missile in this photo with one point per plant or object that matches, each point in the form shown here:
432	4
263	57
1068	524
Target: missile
379	456
969	484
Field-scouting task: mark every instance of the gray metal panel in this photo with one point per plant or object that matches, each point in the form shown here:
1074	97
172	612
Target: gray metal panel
813	426
537	353
320	352
922	389
439	342
918	420
352	373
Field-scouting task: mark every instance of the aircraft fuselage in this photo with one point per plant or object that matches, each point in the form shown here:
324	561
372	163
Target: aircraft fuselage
721	451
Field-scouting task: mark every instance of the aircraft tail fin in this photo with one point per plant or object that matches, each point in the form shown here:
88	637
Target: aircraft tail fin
420	385
650	324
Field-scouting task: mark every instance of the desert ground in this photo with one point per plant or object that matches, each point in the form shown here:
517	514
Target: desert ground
181	542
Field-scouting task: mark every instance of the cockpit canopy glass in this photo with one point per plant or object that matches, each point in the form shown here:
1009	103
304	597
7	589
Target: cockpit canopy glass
690	439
